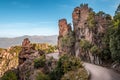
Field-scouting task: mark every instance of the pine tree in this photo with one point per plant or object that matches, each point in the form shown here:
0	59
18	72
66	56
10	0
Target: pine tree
118	10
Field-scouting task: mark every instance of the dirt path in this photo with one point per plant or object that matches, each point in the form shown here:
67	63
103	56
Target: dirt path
101	73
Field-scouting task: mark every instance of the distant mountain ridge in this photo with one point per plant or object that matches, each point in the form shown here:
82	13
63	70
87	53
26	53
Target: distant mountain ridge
8	42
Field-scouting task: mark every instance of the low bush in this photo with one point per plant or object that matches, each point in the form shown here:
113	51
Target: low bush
10	75
66	63
80	74
39	62
42	76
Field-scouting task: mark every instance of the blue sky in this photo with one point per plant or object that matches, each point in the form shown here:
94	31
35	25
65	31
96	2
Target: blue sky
40	17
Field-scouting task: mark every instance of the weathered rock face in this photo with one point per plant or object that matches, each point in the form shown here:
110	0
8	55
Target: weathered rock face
26	51
65	38
80	15
64	28
26	61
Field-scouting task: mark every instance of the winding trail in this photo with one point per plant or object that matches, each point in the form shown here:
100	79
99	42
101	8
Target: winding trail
101	73
96	72
54	55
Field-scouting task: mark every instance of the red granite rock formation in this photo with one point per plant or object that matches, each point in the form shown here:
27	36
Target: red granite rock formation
26	44
64	30
26	51
26	60
83	30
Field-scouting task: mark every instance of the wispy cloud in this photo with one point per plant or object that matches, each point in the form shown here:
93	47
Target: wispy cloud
66	6
20	4
117	2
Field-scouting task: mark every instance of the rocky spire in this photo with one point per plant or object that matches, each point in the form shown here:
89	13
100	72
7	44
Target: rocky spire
26	44
26	60
88	27
26	51
64	28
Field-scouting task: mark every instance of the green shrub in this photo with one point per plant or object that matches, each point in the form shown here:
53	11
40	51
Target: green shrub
80	74
68	40
47	48
105	51
85	44
10	75
95	50
91	20
42	76
115	45
66	63
39	62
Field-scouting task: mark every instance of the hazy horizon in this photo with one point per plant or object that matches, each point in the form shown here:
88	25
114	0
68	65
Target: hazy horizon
40	17
26	36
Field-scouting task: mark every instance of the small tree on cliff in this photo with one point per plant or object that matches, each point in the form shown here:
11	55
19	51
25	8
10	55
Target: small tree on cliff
91	20
115	37
68	42
116	21
115	45
106	54
85	46
96	53
101	14
118	10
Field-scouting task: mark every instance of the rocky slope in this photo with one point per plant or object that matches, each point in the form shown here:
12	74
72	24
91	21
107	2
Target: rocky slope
20	59
8	61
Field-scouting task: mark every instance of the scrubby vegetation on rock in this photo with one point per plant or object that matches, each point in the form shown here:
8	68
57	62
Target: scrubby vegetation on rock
39	62
66	64
47	48
42	76
10	75
80	74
